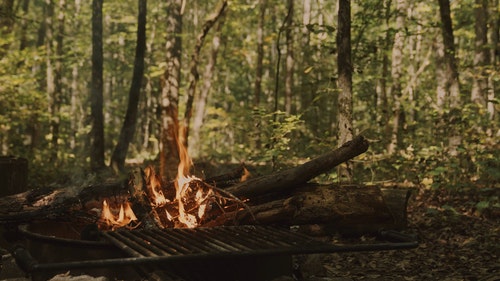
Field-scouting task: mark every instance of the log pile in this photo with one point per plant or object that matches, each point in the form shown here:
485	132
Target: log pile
284	198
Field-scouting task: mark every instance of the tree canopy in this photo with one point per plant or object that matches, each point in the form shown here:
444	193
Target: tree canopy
425	77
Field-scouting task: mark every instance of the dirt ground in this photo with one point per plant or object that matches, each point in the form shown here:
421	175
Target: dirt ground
459	235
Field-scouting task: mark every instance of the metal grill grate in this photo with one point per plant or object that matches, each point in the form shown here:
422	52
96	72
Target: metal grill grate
213	242
143	247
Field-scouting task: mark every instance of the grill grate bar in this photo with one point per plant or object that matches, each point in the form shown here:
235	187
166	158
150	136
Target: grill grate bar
215	241
251	237
126	247
150	248
175	246
241	240
195	246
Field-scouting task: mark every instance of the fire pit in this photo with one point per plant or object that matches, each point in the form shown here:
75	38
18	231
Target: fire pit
218	253
191	229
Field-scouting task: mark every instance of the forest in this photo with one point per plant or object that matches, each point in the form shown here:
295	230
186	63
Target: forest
89	89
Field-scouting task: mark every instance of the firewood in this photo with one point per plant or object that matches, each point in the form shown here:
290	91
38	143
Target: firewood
286	179
326	204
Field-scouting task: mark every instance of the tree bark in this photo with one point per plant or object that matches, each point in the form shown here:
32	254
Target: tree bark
169	100
344	68
281	181
382	99
199	114
494	53
481	53
452	88
130	122
6	23
397	70
289	58
96	92
194	75
348	208
260	54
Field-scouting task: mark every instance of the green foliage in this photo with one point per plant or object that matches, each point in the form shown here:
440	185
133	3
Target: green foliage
233	130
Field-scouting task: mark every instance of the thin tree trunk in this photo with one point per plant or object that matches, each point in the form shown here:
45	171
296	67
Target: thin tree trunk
259	68
450	95
494	52
130	122
306	89
199	112
481	53
24	23
58	87
397	70
49	71
289	59
6	22
147	106
382	101
260	54
169	99
96	94
74	94
344	68
452	87
194	75
441	85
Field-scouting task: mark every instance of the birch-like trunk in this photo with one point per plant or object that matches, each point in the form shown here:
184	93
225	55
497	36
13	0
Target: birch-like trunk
481	53
396	73
169	99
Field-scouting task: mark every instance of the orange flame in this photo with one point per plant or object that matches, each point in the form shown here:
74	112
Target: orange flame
192	199
154	187
125	215
182	181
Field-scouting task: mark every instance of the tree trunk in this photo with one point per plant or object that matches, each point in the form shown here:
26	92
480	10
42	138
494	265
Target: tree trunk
194	75
130	122
452	87
24	24
289	58
481	53
344	68
397	70
169	99
57	98
49	74
494	53
96	93
6	23
199	114
382	99
260	54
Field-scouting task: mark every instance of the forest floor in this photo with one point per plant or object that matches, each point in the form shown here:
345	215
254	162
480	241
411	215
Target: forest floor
459	240
459	235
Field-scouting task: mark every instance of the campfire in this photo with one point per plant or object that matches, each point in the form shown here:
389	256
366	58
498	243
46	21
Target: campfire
187	202
283	198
